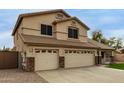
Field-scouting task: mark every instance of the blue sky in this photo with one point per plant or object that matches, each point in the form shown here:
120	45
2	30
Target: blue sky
110	21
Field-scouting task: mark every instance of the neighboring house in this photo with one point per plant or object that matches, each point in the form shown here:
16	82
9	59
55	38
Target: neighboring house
121	50
119	55
53	39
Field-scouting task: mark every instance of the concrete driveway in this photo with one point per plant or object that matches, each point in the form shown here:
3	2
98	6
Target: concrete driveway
18	76
84	75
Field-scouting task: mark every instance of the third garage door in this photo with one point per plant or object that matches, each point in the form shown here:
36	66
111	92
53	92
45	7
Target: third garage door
78	58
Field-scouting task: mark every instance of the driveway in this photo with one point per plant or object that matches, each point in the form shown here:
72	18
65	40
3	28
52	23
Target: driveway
84	75
18	76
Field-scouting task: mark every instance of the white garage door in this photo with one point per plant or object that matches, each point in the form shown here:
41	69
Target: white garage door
46	60
79	58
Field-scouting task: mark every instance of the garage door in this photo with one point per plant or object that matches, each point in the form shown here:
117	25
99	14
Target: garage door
79	58
46	59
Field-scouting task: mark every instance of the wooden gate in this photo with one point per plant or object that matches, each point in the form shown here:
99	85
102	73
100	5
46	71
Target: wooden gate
8	60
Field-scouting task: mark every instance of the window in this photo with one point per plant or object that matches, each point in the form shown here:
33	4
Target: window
88	51
46	29
82	52
43	51
49	51
37	51
73	33
74	51
66	51
78	52
54	51
70	51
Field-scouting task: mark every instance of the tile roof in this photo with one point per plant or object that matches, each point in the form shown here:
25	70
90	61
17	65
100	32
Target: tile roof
50	41
100	45
21	16
72	18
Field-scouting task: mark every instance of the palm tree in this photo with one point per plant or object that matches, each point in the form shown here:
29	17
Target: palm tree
104	41
97	35
112	42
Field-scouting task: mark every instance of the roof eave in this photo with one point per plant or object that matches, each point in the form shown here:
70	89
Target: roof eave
17	24
107	49
72	18
82	23
34	14
58	45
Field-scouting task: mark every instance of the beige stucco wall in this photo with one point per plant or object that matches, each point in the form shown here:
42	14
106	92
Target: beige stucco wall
87	59
18	43
62	30
32	25
61	51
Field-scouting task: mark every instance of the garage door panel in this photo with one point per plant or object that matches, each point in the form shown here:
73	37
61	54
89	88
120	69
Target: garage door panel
78	60
46	61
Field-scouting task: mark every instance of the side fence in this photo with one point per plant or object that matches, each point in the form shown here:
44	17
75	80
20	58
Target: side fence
8	59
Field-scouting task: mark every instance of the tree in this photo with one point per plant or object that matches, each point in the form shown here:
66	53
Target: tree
104	41
97	35
112	41
5	49
115	42
118	43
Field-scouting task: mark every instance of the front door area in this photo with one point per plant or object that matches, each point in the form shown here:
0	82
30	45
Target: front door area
106	57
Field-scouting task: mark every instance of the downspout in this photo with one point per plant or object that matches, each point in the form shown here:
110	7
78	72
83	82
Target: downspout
112	57
99	56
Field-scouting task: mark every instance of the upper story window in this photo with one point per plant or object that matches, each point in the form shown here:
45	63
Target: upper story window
73	33
46	29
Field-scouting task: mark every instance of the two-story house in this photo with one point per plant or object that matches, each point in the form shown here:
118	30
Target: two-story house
54	39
